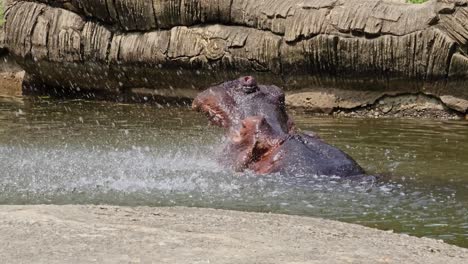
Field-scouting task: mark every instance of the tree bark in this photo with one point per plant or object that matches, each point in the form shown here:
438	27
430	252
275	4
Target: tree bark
118	45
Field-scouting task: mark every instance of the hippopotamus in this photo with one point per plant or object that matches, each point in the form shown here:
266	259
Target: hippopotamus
262	137
227	104
261	149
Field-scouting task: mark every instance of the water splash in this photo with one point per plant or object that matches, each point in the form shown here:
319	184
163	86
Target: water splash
139	155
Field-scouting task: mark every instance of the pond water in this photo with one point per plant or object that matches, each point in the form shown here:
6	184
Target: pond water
80	152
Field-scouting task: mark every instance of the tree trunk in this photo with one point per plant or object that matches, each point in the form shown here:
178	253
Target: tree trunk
121	45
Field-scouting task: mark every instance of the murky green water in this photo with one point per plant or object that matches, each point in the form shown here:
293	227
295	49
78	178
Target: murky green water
63	152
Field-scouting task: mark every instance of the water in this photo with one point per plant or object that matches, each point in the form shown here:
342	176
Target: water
79	152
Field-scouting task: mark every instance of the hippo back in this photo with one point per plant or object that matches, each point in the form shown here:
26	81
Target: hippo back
304	155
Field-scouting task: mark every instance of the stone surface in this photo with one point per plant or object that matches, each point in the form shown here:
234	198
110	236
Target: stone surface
119	45
107	234
377	104
458	104
11	78
10	85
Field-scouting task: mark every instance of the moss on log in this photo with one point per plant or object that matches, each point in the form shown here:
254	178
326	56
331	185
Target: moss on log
117	45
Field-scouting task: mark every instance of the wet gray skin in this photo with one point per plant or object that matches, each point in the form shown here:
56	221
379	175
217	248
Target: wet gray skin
227	104
264	150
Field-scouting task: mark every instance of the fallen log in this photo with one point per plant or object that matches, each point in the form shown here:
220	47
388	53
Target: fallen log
123	46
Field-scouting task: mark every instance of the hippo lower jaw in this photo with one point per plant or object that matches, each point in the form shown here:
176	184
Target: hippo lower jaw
260	148
260	157
268	162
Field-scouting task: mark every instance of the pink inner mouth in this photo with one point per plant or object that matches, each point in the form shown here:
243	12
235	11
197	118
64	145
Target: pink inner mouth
214	116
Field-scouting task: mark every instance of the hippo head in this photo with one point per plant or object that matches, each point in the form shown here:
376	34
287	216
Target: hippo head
254	143
227	104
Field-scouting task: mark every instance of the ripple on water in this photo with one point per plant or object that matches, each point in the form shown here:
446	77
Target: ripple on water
63	152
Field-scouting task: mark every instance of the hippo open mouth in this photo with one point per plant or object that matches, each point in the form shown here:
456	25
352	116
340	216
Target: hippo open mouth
259	148
227	104
254	143
261	136
216	116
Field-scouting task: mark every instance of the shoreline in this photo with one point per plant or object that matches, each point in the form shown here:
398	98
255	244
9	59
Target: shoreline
315	101
110	234
406	107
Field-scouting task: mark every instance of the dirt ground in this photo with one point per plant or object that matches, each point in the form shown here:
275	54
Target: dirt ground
10	84
106	234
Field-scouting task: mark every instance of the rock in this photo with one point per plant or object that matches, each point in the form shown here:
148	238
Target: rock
387	109
395	105
458	104
19	75
318	102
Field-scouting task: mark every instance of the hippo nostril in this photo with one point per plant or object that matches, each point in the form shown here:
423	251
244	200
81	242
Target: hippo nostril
248	81
248	84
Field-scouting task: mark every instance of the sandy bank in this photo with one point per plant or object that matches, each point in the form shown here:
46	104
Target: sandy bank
105	234
10	84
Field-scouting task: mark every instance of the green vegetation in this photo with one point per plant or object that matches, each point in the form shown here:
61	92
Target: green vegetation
1	12
416	1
